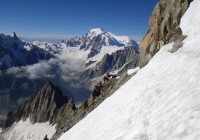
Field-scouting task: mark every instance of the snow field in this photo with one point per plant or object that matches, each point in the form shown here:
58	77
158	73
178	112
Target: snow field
24	130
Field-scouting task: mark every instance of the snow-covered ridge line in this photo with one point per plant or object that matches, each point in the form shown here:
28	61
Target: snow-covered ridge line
191	20
93	46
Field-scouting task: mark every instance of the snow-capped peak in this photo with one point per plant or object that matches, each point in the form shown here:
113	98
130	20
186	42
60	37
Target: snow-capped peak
109	37
121	39
95	32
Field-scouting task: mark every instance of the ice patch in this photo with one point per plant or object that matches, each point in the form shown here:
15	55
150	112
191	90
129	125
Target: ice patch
132	71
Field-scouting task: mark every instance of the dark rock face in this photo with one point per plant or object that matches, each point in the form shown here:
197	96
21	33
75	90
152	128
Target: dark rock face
15	37
41	108
73	42
89	63
6	103
115	61
163	27
16	90
14	52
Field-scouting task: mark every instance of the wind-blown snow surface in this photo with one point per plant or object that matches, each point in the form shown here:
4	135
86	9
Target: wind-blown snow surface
161	102
24	130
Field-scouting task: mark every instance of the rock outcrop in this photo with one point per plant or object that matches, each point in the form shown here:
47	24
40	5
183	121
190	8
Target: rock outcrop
15	90
163	28
15	37
105	88
43	107
114	61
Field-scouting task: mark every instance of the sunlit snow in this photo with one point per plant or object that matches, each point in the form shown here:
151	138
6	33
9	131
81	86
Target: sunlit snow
132	71
24	130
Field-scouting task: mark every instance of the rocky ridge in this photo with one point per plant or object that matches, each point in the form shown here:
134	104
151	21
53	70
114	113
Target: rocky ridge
126	58
163	28
15	52
42	107
17	86
95	39
50	105
105	88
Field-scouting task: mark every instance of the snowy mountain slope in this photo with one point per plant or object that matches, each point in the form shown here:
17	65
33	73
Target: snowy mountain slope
161	102
15	52
104	50
65	70
53	48
83	53
95	39
30	131
109	38
92	46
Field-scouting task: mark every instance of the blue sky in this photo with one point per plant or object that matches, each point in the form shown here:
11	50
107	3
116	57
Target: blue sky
60	19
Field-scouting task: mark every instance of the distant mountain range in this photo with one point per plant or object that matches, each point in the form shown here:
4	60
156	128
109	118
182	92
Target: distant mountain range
15	52
75	65
95	39
158	100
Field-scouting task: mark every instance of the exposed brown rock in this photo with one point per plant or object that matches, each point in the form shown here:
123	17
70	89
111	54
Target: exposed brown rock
163	27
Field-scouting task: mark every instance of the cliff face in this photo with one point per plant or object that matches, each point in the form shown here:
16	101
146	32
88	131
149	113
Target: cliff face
42	107
121	59
163	28
14	91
